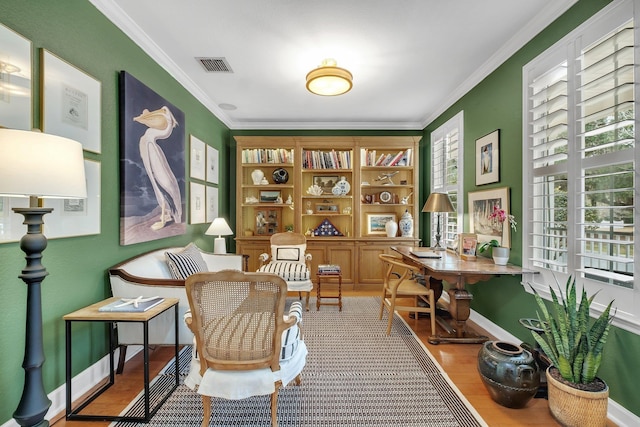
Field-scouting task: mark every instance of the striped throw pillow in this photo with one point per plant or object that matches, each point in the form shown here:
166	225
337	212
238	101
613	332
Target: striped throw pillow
186	262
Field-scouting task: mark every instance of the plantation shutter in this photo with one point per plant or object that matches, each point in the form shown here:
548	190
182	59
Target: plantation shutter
549	154
606	120
445	155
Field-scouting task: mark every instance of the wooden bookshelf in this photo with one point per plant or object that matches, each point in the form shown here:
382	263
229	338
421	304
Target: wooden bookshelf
362	179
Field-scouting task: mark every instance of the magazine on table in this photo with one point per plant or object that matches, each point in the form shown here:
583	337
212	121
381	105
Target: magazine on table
138	304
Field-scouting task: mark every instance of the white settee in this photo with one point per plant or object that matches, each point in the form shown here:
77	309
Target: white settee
148	275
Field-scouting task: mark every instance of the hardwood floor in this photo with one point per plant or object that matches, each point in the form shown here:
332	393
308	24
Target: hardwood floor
458	360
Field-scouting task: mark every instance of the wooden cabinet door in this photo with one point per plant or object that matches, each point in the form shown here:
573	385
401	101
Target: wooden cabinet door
344	256
254	250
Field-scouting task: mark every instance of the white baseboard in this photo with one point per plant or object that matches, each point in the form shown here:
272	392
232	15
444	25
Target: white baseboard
81	384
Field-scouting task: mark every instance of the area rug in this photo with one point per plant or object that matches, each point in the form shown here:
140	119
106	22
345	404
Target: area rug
355	375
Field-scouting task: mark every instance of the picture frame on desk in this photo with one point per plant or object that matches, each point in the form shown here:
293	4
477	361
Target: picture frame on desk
467	244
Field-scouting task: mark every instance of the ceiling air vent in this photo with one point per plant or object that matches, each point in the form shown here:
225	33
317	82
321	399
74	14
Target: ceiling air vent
215	65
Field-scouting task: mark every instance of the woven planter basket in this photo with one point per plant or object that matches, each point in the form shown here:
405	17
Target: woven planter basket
577	408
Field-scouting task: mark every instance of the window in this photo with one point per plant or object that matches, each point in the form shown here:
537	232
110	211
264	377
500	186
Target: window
580	159
446	177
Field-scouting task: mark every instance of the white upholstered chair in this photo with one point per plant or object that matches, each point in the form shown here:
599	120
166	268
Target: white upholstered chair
245	345
290	261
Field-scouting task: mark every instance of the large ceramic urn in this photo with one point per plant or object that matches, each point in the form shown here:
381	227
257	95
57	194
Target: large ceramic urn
509	373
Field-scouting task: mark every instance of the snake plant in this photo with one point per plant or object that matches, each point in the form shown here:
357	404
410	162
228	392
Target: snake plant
571	340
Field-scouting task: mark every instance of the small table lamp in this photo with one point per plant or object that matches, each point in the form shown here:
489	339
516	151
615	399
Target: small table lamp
219	227
37	165
438	202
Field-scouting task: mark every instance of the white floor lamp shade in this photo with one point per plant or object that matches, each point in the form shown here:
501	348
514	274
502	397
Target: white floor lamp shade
219	227
37	165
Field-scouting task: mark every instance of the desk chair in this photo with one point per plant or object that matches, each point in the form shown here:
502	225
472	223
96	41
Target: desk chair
400	282
245	346
290	261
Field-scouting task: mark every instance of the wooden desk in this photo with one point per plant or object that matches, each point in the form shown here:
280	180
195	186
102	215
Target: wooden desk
458	273
92	314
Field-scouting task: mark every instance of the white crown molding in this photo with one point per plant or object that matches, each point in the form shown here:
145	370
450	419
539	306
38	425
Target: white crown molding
117	16
528	32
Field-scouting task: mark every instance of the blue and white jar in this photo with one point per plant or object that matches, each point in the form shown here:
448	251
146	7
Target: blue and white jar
406	224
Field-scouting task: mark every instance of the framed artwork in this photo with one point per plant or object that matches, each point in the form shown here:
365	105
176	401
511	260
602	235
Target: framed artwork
212	203
198	206
467	244
326	182
15	80
70	102
152	164
488	158
481	205
212	165
70	217
376	222
197	158
268	221
327	208
270	196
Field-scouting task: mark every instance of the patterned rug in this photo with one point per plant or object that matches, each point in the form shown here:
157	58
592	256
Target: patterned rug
355	375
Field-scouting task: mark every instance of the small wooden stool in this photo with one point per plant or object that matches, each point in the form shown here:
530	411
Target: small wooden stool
329	276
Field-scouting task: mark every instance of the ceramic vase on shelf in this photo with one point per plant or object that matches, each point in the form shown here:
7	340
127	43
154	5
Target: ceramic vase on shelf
256	176
500	255
406	224
391	228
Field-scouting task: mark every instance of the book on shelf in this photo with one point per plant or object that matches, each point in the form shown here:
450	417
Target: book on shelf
139	304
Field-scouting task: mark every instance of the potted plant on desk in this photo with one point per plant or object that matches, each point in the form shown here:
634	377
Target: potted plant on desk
499	253
574	344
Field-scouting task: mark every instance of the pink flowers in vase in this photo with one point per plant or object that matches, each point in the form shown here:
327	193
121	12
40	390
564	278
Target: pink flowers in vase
501	216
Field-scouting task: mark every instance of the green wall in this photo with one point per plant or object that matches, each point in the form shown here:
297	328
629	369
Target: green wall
496	103
75	31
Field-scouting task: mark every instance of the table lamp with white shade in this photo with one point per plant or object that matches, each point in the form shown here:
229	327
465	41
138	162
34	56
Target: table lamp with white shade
37	165
437	203
219	227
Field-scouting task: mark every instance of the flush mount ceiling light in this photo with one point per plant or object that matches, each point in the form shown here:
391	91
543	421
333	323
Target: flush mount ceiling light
329	79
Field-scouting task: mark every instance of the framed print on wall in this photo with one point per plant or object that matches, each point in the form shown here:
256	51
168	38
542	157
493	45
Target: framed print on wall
152	164
488	158
212	203
198	206
212	165
70	102
15	80
481	205
197	158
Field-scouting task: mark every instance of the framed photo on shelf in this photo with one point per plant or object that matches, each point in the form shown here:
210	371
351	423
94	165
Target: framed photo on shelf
71	102
15	80
376	222
270	196
197	158
481	205
326	182
268	221
488	158
467	244
327	208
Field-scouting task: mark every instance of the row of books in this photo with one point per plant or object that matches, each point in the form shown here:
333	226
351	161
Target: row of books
267	155
326	159
371	158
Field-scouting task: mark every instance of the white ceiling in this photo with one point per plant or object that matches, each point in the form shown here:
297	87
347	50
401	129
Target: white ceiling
411	59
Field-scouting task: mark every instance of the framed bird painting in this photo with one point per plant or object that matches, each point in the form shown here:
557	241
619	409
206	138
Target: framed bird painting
152	164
